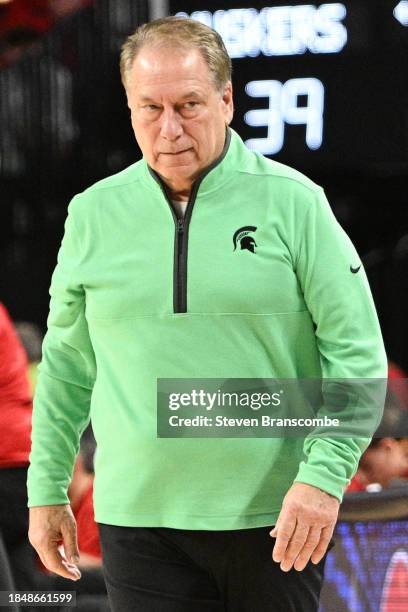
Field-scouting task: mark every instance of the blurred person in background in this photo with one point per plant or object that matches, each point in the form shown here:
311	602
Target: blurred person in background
398	383
187	525
31	338
15	444
22	22
384	461
80	493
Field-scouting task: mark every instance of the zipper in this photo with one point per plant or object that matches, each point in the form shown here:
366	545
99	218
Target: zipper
180	249
179	273
181	232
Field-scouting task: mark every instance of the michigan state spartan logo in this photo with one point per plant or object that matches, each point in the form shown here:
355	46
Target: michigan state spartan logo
243	237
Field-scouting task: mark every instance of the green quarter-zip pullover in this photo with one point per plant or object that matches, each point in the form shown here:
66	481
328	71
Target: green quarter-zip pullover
258	280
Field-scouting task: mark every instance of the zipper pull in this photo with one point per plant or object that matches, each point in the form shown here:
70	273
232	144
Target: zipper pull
180	226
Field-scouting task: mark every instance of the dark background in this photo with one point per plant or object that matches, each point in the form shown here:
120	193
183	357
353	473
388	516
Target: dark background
64	124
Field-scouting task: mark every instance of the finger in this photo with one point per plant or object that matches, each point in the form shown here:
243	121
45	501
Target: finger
73	569
69	535
55	563
308	549
286	527
321	548
295	545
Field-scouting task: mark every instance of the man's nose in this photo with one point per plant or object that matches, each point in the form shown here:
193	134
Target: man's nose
171	127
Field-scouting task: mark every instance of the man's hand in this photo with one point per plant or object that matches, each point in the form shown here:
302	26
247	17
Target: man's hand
49	525
304	527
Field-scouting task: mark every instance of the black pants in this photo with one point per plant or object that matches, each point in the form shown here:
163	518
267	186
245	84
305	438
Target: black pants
6	578
173	570
14	526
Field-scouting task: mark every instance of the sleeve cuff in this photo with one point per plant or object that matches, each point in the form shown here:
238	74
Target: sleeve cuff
322	478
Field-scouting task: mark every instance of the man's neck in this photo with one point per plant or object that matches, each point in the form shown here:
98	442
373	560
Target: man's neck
180	195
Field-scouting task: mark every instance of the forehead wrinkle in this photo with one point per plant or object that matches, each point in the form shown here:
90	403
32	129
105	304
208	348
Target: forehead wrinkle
174	90
168	78
189	94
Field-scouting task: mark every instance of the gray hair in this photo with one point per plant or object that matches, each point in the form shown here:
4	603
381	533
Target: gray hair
184	33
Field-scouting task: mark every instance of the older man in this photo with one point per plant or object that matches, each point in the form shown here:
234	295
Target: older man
202	260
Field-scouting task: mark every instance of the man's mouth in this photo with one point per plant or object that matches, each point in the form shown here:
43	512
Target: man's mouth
176	153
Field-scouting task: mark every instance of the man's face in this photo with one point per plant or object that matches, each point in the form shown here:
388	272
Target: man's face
178	116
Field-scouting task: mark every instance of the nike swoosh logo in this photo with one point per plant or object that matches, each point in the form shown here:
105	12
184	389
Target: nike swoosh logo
355	270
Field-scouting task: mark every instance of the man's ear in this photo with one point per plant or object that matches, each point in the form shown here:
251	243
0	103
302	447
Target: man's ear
227	98
127	97
129	93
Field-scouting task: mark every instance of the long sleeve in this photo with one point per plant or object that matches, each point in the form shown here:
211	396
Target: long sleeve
66	376
348	336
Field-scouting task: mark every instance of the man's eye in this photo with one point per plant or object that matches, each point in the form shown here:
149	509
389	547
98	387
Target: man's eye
151	107
190	104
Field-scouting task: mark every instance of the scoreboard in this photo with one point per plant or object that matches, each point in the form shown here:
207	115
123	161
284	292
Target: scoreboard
321	85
